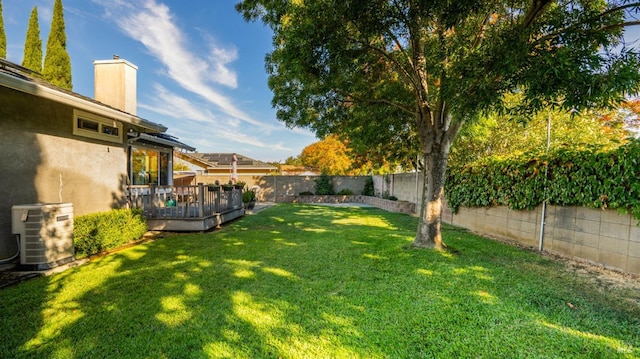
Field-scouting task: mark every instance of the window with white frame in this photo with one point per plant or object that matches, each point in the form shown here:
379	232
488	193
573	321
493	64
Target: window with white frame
93	126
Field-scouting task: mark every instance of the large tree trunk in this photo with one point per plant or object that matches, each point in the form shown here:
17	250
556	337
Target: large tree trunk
429	233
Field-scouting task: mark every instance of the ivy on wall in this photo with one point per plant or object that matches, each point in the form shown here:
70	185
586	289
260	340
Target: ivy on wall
589	176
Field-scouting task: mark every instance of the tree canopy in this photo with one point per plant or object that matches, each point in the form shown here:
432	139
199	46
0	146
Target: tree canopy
406	75
32	58
3	36
502	135
57	63
330	156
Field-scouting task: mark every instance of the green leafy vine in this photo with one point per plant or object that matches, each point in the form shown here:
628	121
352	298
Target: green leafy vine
590	176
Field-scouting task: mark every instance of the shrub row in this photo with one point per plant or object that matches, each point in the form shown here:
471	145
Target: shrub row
97	232
588	176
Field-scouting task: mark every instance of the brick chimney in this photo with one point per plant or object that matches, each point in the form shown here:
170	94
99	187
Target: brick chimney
115	84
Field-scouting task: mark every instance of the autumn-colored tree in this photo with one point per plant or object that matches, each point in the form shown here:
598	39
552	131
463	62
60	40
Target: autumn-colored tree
626	116
180	166
57	63
33	44
330	156
3	36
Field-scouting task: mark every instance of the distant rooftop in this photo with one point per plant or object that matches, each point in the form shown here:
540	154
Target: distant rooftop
224	160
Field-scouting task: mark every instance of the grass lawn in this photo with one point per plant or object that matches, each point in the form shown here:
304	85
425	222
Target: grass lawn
303	281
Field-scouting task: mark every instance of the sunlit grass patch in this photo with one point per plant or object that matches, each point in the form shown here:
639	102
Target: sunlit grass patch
299	281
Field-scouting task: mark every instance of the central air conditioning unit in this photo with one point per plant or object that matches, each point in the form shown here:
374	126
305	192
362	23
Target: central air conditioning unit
46	234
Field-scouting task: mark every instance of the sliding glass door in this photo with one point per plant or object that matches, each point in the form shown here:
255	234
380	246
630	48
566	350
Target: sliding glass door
150	166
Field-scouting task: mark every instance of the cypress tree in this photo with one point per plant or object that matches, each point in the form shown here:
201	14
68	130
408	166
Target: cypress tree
57	63
3	36
33	44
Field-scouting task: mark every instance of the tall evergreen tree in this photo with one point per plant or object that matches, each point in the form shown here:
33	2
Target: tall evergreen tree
33	44
3	36
57	63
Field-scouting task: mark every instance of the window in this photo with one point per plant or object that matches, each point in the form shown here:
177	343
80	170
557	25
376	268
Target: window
93	126
149	166
88	125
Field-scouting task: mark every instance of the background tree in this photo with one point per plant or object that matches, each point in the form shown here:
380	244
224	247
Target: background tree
3	36
629	114
424	68
503	135
32	58
180	166
57	63
330	156
293	161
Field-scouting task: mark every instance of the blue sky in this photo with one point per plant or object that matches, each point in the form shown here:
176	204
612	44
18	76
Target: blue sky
200	67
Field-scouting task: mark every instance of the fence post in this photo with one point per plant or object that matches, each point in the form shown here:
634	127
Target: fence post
200	200
152	197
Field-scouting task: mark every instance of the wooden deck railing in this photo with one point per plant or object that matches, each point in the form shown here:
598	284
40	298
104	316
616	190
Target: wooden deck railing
197	201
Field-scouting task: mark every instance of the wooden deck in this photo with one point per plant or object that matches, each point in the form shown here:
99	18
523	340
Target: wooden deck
186	207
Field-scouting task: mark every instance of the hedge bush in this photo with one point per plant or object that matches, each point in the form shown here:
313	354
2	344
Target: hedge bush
248	196
588	177
324	185
97	232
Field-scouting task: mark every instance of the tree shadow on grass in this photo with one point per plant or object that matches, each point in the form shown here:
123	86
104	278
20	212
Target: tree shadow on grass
309	281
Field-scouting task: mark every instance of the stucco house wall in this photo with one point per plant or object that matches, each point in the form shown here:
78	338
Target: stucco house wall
36	135
43	162
57	146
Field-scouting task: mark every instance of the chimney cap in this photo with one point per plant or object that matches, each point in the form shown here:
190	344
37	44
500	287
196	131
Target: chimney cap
114	61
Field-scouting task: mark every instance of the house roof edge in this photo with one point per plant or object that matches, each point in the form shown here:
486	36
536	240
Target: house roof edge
28	86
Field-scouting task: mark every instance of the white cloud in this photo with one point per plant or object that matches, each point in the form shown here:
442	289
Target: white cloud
169	104
154	26
220	57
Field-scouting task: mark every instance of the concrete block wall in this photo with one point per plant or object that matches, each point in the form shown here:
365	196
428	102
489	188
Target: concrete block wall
603	237
390	206
407	186
404	186
520	226
280	188
600	236
323	199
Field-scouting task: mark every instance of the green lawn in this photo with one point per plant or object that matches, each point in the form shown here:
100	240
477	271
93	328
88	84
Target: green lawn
302	281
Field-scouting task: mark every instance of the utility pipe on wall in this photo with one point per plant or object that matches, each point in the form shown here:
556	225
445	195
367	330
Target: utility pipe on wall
417	180
544	195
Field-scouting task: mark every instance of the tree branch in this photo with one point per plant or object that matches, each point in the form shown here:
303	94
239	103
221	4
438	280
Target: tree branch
357	99
480	35
536	9
605	13
387	56
623	24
